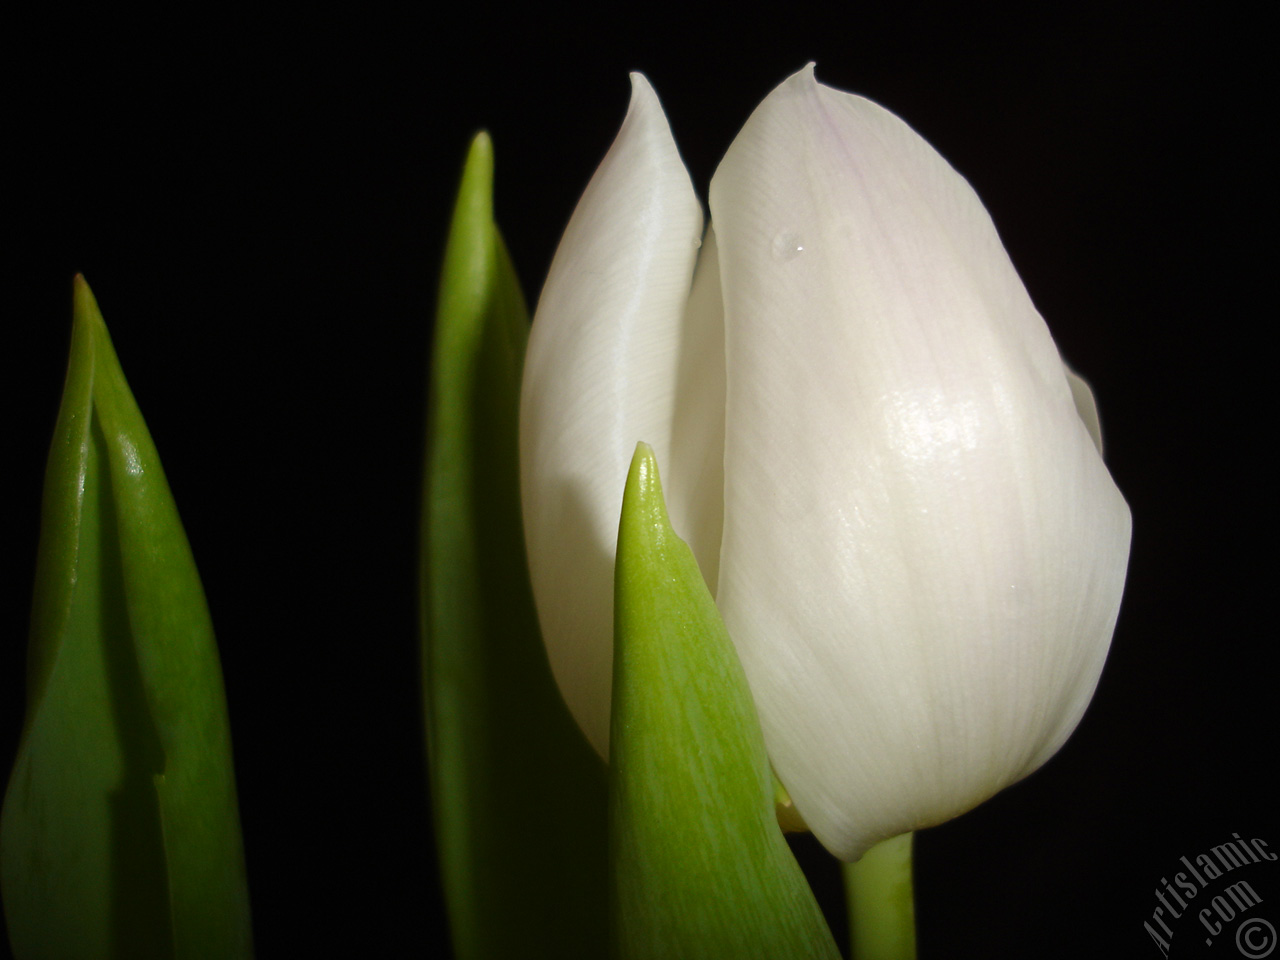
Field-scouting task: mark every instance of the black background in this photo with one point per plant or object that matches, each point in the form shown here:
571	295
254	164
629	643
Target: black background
260	206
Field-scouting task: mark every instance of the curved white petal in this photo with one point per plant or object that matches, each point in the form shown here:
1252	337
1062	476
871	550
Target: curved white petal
1086	405
923	553
695	488
600	375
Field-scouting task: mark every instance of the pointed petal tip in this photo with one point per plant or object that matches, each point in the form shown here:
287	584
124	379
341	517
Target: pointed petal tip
644	111
639	82
801	86
803	78
643	96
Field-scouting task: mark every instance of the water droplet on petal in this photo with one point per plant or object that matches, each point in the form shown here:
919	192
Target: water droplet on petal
787	246
697	242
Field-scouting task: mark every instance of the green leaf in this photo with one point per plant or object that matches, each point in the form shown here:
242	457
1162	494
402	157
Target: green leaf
700	868
120	835
518	794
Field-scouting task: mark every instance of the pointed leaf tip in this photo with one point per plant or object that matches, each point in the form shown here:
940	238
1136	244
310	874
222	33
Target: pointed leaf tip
699	866
120	826
479	161
644	486
509	772
84	305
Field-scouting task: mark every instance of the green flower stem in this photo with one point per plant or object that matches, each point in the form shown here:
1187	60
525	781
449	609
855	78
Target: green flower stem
881	904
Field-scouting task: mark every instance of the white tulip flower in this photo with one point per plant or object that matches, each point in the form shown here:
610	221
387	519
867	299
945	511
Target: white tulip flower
893	486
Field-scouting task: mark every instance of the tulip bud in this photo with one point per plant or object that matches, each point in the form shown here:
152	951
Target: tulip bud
869	440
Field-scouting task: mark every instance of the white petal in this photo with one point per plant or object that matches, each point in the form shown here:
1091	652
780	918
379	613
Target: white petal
695	488
600	375
1086	405
923	553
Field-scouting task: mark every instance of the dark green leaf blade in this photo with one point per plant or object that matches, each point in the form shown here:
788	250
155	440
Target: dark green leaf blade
700	868
120	832
518	795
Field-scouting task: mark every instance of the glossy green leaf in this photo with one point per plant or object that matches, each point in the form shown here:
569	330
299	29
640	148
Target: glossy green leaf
700	868
518	795
120	834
